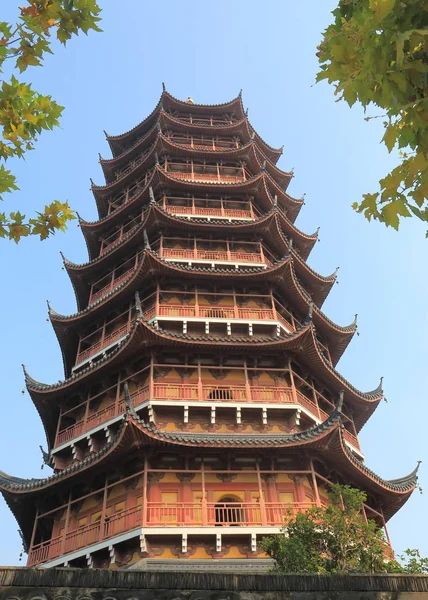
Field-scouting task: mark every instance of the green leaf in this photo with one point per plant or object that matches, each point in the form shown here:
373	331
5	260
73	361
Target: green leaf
390	137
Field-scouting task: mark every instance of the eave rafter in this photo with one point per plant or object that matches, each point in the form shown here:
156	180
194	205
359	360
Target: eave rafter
156	219
281	275
160	181
167	122
301	343
163	146
325	439
169	103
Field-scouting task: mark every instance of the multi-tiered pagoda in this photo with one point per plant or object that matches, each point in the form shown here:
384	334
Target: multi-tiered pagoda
200	400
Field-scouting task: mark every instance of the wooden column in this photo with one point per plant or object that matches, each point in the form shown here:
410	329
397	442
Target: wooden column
66	524
204	495
262	499
315	484
145	492
151	380
103	532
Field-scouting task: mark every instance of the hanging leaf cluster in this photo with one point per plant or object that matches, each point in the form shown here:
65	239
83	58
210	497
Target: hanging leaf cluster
376	53
24	113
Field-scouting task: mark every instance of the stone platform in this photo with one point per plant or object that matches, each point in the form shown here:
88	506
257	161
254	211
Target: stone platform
99	584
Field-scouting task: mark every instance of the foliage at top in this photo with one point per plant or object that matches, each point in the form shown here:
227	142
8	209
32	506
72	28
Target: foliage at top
376	53
25	113
336	538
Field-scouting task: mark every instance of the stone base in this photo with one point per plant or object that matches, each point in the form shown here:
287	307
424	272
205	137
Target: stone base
222	565
107	584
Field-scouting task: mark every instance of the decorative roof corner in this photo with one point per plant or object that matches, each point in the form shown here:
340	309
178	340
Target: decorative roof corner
100	158
163	87
47	458
105	133
240	93
146	240
29	381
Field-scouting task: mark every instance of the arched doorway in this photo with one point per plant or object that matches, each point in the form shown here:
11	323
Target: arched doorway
229	511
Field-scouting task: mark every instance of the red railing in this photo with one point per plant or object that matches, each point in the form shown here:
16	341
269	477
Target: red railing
160	514
213	255
351	439
111	286
213	121
207	144
208	177
103	343
198	392
204	211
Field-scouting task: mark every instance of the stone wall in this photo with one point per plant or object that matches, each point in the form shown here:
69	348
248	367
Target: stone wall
93	584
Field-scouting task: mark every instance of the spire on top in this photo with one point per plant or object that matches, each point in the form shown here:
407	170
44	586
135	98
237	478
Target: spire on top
189	100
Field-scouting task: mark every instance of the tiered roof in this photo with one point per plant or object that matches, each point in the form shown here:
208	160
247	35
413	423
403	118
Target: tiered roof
304	289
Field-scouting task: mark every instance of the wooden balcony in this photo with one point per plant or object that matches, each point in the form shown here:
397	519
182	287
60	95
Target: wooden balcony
196	392
211	121
119	235
111	281
204	143
208	208
212	312
207	173
213	255
157	514
104	342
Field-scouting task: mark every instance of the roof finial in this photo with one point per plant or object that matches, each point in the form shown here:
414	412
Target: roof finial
146	240
189	100
46	457
100	158
336	271
310	312
128	402
355	320
105	133
340	403
151	196
138	304
246	112
240	93
163	87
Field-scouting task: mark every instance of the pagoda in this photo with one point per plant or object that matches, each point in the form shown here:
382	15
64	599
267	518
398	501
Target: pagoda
200	401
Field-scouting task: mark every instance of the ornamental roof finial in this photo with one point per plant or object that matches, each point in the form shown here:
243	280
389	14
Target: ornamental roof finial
100	158
46	457
340	403
92	182
146	240
105	133
246	112
240	93
189	100
310	312
355	320
138	304
163	87
336	272
128	402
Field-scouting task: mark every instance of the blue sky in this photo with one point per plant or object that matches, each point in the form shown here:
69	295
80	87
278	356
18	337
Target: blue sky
210	50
